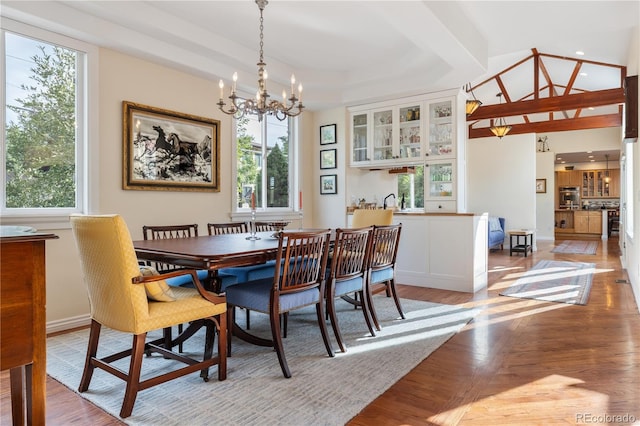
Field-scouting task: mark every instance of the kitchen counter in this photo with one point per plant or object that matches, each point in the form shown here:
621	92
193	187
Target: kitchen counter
588	223
420	213
447	251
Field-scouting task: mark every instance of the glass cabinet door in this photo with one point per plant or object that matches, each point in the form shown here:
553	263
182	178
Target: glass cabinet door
383	135
410	132
359	145
440	180
440	129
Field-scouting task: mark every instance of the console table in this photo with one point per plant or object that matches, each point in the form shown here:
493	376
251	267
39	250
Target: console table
520	241
22	319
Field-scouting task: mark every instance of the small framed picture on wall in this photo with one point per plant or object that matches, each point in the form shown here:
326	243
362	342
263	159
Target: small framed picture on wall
328	159
328	134
541	186
328	184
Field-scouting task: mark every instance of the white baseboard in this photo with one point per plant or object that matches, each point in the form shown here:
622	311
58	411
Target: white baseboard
68	323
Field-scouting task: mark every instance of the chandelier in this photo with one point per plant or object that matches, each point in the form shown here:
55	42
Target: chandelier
262	104
500	127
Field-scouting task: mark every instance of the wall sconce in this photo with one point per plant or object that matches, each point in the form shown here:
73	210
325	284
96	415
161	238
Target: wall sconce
543	146
472	104
500	127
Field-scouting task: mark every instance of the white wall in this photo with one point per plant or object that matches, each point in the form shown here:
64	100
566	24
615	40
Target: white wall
502	174
583	140
545	202
329	209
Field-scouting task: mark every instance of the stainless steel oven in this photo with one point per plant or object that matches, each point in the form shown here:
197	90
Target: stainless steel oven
569	197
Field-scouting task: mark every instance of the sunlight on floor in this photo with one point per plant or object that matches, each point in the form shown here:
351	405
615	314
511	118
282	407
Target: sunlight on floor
533	396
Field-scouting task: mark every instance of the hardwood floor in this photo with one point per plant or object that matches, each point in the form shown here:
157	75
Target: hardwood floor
519	362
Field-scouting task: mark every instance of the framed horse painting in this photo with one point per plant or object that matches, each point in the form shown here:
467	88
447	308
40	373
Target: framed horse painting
167	150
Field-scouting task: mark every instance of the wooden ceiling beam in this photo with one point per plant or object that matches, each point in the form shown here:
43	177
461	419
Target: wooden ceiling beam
581	123
552	104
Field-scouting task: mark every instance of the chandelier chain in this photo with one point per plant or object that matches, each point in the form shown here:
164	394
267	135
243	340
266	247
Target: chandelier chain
261	36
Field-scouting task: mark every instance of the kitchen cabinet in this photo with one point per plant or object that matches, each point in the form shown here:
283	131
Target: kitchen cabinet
569	178
360	138
440	188
587	222
601	183
445	156
389	136
614	183
442	135
427	130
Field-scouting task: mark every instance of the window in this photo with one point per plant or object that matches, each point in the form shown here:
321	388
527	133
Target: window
45	122
265	165
411	186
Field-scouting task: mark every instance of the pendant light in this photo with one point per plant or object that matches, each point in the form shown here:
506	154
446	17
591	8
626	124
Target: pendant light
606	173
472	104
500	128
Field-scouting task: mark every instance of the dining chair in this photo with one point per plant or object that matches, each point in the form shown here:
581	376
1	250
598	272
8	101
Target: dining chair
123	300
348	274
242	274
370	217
298	283
273	226
227	228
382	265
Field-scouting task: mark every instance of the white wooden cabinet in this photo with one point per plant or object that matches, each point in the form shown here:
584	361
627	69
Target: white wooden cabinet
445	155
387	136
445	251
428	130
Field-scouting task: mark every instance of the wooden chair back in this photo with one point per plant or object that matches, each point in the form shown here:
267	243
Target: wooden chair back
164	232
350	251
384	248
303	256
273	226
227	228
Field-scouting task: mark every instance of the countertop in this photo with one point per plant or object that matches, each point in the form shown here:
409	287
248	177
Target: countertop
419	213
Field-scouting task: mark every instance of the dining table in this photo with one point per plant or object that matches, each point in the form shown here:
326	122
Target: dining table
212	252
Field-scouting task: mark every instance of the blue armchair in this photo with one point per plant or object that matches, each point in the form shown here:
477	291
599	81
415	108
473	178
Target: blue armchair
496	232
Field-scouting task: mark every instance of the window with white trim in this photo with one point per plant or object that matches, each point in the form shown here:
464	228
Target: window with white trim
266	166
45	124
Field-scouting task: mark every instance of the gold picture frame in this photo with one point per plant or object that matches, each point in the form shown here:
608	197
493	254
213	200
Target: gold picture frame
169	151
541	186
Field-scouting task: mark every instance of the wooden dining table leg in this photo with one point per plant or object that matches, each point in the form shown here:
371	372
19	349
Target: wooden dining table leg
17	395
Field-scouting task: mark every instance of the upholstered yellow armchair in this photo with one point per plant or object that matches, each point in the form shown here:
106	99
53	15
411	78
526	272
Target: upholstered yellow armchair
121	298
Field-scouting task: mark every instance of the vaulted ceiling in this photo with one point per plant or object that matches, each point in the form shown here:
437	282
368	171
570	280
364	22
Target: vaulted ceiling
547	93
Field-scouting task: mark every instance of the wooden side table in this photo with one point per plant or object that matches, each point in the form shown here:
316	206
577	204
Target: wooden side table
520	241
23	329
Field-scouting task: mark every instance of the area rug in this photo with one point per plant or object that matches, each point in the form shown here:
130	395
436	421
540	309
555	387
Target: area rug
322	391
576	247
554	281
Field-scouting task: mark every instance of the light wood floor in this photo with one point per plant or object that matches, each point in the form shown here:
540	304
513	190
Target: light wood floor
519	362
